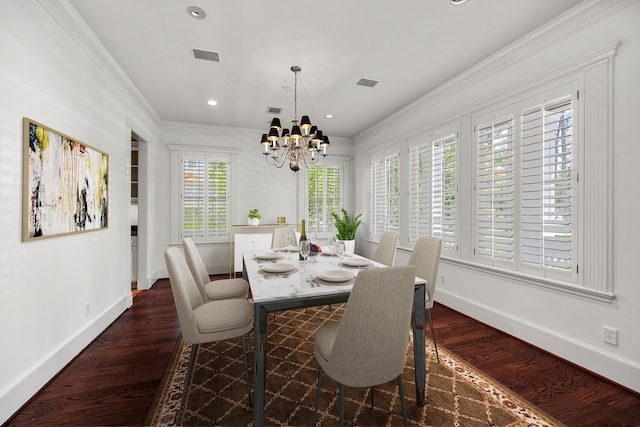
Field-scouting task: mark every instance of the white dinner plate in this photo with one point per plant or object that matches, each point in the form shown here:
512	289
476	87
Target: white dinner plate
356	262
267	255
336	275
278	267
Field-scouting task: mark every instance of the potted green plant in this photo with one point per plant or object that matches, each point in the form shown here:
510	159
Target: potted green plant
254	217
346	226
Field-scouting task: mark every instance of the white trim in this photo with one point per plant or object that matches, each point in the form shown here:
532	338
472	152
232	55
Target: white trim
70	21
622	371
24	387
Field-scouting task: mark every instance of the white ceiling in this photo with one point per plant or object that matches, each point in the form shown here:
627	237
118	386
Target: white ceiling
410	46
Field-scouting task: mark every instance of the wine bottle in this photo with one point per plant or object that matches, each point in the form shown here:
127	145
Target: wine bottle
303	236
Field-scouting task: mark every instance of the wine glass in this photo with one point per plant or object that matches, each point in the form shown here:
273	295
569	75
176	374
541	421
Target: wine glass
305	248
332	246
340	251
288	239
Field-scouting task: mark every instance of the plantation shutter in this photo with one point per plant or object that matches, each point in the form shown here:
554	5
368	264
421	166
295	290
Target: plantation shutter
193	198
546	196
419	191
443	198
217	199
205	198
385	195
495	191
324	195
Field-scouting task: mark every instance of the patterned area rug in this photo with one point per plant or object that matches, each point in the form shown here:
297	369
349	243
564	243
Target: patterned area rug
457	393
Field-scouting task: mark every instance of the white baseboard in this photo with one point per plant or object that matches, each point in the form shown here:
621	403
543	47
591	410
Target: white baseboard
14	395
618	370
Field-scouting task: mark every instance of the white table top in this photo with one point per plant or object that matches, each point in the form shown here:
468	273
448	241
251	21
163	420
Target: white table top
267	286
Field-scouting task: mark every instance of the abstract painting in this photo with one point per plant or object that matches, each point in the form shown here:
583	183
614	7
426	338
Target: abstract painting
65	184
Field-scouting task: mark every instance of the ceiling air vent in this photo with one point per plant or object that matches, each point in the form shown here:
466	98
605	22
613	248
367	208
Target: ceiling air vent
367	82
207	55
274	110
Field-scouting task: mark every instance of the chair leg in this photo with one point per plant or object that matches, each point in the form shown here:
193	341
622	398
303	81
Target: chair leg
341	389
404	406
433	334
246	370
371	390
187	382
315	413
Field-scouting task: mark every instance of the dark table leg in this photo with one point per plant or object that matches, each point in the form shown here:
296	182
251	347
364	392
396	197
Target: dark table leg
418	343
259	358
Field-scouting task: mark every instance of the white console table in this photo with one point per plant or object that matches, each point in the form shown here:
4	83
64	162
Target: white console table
250	237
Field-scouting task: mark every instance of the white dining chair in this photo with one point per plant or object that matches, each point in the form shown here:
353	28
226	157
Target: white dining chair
279	237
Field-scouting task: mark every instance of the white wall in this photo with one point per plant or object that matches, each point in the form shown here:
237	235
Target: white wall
44	285
564	324
255	184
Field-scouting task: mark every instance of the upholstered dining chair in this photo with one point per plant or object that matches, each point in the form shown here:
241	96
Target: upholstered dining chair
386	250
204	321
426	259
369	345
212	290
279	237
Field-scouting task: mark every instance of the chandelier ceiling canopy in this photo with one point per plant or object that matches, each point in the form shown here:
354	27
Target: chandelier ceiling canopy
303	144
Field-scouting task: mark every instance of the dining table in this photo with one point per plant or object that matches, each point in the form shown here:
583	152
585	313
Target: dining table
280	281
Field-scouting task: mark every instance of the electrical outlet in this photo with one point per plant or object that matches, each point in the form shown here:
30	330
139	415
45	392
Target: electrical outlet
86	309
442	279
610	335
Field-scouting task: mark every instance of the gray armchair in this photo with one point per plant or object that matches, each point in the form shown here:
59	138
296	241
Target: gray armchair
426	259
212	290
202	321
369	345
386	250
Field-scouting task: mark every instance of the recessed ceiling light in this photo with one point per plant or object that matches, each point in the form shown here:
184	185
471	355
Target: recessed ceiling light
329	116
457	2
196	12
212	102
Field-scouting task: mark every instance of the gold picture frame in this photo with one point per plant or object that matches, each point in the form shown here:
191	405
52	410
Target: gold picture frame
65	184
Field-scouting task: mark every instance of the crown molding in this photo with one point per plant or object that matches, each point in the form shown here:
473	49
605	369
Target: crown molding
569	23
72	23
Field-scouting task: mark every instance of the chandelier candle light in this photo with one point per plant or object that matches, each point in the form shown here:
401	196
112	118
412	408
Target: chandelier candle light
304	144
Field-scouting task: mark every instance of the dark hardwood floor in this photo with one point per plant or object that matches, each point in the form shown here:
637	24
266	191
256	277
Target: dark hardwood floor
114	380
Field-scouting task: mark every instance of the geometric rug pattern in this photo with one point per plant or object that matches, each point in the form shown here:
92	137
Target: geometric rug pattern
457	394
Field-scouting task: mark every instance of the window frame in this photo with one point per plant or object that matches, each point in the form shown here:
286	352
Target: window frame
178	154
425	143
379	215
343	163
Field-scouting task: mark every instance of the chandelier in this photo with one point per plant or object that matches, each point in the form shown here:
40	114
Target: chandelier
305	144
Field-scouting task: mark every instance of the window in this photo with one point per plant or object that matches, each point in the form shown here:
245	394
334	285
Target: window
546	195
495	190
524	187
432	191
204	197
324	196
385	195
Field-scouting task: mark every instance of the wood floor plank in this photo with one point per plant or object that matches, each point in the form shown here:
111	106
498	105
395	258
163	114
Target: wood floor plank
114	380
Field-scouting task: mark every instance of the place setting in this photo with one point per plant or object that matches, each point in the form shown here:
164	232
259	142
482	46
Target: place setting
268	256
356	262
278	269
334	278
